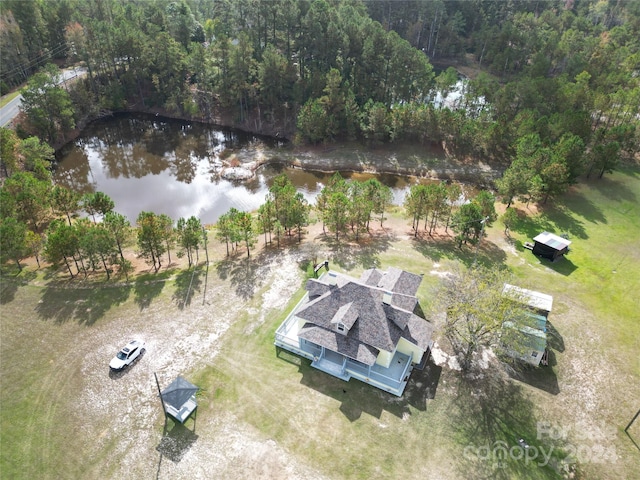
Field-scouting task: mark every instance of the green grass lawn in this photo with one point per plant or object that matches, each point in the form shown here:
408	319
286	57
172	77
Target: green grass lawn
445	426
602	270
352	430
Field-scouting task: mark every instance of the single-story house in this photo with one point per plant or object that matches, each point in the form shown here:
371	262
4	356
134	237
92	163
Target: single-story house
363	328
535	341
551	246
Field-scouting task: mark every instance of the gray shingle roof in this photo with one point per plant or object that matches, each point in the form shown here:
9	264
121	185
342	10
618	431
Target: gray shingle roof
346	345
316	288
369	321
371	277
405	302
393	280
347	315
418	332
396	315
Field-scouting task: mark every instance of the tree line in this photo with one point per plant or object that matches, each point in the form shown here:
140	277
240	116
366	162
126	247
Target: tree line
39	219
324	71
556	98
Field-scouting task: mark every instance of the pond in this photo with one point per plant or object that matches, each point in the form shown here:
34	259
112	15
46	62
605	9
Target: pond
150	163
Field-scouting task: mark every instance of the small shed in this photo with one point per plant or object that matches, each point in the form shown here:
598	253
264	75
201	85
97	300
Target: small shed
534	342
551	246
538	302
535	335
179	399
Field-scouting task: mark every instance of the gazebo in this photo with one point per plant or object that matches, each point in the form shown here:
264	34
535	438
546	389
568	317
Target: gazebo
548	245
179	399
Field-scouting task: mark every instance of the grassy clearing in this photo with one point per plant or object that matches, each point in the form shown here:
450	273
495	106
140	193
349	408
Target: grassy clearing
343	430
285	398
602	270
47	334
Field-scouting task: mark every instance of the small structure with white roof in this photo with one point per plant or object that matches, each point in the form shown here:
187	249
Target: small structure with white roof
539	306
551	246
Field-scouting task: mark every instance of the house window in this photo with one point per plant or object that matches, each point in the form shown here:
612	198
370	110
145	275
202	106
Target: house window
340	327
534	354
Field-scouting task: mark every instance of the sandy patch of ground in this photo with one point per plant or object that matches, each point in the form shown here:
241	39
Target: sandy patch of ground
122	412
443	359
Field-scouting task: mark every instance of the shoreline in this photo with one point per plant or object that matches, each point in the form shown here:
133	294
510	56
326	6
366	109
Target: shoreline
431	161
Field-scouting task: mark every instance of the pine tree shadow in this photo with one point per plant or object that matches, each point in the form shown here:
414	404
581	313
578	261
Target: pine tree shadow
612	189
486	253
187	282
67	300
556	219
242	273
11	280
8	289
146	288
365	253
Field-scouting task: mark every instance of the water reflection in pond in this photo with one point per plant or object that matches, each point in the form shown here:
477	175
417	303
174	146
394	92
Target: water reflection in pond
166	166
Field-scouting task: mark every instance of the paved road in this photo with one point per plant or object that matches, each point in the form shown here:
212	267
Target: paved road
11	109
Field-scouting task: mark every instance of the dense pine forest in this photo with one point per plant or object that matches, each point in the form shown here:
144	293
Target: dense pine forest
550	93
564	72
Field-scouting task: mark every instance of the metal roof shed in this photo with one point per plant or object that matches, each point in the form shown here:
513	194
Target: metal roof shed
535	300
551	246
179	399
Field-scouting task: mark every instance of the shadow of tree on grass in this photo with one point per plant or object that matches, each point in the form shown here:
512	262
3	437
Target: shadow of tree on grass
146	288
64	301
498	432
554	220
244	273
187	283
10	282
613	189
364	253
487	254
562	217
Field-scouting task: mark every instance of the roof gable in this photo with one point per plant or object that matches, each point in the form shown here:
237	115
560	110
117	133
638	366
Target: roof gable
316	288
346	315
394	280
371	277
371	317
